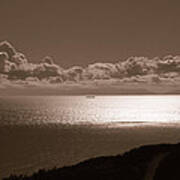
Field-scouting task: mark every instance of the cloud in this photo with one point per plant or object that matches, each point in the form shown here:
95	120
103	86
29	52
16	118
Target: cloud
169	64
19	58
17	70
101	70
4	65
44	70
74	73
8	48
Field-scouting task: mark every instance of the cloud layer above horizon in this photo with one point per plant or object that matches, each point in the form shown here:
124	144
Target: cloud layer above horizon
133	74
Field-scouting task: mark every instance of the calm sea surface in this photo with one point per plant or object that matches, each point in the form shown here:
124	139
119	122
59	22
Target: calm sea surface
76	110
43	132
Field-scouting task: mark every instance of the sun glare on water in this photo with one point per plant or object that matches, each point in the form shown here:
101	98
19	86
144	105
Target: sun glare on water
135	109
101	110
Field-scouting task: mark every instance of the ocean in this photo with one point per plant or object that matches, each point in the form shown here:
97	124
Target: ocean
47	131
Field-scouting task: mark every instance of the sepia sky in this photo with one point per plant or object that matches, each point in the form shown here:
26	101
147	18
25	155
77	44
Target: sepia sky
84	47
85	31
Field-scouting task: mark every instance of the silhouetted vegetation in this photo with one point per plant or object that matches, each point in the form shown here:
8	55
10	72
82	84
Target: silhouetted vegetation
169	168
131	165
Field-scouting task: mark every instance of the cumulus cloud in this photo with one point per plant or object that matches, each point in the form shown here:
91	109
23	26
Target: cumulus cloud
74	73
101	70
8	48
16	69
47	68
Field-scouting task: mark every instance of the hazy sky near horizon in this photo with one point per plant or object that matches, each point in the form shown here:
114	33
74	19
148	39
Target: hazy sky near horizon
82	32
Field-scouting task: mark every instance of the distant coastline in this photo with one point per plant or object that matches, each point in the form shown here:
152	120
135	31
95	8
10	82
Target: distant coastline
96	95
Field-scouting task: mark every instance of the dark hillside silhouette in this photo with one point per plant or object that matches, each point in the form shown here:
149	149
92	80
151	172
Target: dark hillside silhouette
131	165
169	167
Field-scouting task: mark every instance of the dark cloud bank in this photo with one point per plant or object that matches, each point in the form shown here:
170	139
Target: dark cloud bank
133	75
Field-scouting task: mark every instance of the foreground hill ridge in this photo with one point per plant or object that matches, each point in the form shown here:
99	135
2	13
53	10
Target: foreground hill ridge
151	162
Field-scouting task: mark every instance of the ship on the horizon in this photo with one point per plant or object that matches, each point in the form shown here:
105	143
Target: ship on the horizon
90	96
